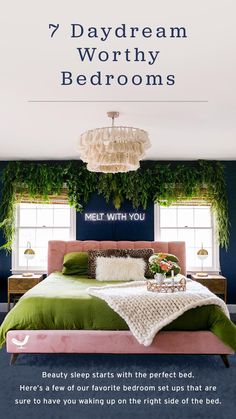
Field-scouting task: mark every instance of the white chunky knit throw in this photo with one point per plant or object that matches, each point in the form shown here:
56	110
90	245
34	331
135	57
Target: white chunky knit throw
148	312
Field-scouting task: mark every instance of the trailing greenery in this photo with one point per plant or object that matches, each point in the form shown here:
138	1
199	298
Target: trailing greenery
164	183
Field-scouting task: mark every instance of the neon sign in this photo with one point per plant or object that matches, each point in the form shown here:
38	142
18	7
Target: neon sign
114	216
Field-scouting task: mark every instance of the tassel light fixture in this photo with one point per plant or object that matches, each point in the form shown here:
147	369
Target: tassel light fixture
113	149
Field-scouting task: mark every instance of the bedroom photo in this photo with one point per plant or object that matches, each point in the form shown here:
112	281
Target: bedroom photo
117	210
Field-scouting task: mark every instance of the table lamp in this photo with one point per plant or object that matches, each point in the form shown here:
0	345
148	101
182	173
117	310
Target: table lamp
29	254
202	255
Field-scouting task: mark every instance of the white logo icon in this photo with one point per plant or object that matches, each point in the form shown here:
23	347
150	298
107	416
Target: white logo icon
20	343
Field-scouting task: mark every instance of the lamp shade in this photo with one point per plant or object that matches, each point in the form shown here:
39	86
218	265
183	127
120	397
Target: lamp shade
202	254
29	253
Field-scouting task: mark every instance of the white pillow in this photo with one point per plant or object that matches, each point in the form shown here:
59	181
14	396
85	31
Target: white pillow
120	269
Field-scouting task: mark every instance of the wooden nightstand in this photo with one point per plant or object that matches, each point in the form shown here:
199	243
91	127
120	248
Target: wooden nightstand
19	284
215	283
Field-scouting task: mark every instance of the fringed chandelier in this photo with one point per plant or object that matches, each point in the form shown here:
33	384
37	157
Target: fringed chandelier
113	149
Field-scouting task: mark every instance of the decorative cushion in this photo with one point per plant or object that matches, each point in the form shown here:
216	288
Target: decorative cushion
92	256
120	269
133	253
75	263
145	254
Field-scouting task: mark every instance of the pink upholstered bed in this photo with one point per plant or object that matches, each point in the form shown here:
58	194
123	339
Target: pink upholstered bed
98	341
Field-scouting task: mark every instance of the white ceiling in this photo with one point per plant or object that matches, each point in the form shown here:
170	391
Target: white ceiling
204	65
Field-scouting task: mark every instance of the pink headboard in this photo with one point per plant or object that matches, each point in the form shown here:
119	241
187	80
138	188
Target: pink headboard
57	249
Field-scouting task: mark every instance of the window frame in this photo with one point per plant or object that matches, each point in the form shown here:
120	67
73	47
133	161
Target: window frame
215	268
15	268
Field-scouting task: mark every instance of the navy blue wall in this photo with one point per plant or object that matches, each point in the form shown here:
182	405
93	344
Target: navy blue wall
114	230
5	260
228	258
124	230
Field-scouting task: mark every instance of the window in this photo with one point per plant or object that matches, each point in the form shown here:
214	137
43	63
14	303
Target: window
37	224
193	224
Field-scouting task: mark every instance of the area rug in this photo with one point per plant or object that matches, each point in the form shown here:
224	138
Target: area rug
117	386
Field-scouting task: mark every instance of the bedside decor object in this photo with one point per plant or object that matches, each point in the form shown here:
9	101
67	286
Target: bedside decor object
159	278
29	254
169	257
167	286
202	255
161	266
113	149
172	277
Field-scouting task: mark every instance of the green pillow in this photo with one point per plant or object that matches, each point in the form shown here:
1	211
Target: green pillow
75	263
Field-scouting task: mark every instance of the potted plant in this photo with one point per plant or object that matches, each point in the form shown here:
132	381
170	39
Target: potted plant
161	266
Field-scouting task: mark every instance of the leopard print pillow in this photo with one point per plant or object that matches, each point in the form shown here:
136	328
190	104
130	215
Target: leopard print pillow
134	253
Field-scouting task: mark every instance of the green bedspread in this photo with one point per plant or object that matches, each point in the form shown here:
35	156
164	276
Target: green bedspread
62	302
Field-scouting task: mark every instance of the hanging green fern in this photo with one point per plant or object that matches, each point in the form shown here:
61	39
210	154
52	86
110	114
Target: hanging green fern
163	183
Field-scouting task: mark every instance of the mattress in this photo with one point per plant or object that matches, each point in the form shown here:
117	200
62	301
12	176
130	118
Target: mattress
62	302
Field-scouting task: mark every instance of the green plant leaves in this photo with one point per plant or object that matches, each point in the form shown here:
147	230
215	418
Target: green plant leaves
164	183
